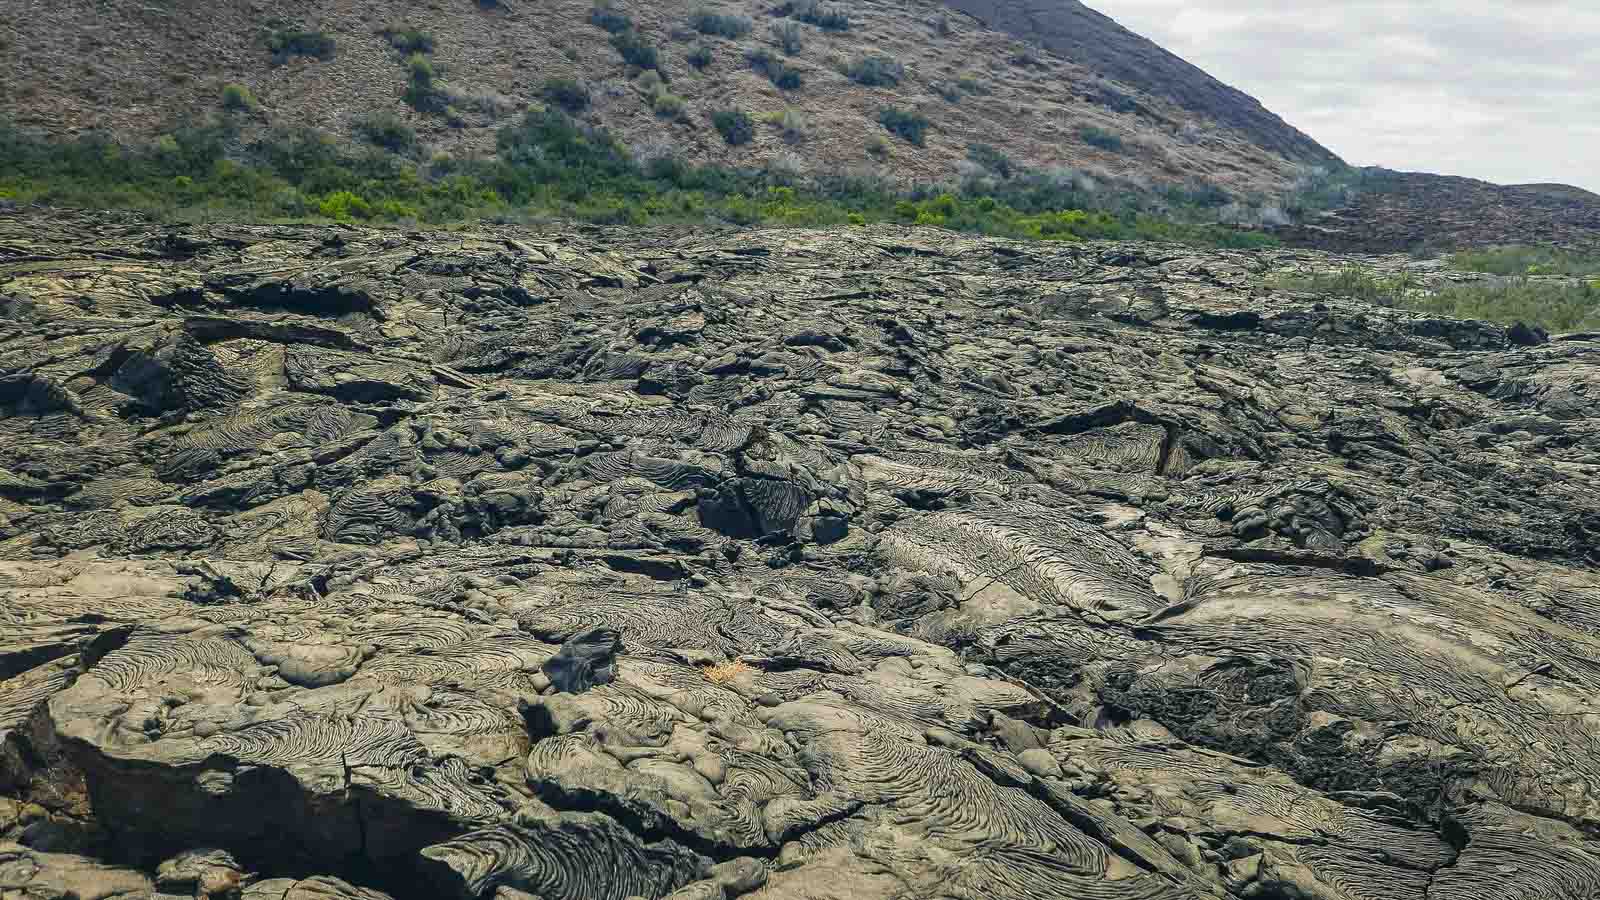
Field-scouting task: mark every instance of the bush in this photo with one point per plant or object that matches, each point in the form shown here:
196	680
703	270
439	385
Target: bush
636	50
948	91
565	93
876	71
1521	260
794	126
735	127
812	12
1554	305
421	91
1355	282
877	146
788	36
991	159
1101	138
708	21
284	44
387	131
974	86
1027	57
407	39
493	104
699	57
549	166
911	126
342	206
771	66
1113	99
667	105
608	19
237	98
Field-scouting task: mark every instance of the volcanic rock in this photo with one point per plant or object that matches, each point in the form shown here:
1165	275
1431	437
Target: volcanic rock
861	563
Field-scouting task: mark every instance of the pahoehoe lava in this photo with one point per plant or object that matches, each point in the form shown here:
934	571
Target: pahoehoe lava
594	564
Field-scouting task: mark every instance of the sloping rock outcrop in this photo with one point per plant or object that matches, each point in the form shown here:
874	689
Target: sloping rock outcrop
1397	212
1079	33
853	564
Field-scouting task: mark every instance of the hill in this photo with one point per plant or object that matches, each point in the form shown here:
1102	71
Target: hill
1090	38
1405	211
137	69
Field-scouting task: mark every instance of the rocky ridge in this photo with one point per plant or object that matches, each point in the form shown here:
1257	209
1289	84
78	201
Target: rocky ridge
1397	212
877	562
1079	33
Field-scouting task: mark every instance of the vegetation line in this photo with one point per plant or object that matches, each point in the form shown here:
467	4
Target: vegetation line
1557	305
548	166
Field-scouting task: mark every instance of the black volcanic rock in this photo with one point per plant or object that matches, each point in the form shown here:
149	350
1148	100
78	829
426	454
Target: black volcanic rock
863	563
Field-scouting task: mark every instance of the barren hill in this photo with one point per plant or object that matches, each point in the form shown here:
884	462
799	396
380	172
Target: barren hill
137	69
1403	211
1079	33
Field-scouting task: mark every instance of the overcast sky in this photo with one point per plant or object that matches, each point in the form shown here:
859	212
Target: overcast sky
1507	92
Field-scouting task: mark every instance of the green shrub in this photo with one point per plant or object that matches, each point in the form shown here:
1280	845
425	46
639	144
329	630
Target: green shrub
877	146
344	205
284	44
667	105
876	71
992	159
735	127
1027	56
1101	138
636	50
606	18
547	166
493	104
911	126
237	98
777	72
1554	305
1523	260
422	92
788	36
794	126
699	57
974	86
1113	99
709	21
565	93
408	40
948	91
387	131
813	12
1352	281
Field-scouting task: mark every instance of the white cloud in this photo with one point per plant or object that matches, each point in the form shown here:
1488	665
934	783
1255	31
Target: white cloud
1504	91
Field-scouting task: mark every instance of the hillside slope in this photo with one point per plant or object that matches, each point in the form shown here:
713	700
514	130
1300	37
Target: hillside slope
1404	211
1081	34
138	69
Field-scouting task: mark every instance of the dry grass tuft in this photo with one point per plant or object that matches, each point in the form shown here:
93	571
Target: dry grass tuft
724	673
